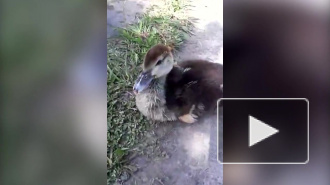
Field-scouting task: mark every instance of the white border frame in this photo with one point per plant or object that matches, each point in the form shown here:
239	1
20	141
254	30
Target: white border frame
304	99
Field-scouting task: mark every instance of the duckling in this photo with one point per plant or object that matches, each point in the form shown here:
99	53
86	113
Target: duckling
167	91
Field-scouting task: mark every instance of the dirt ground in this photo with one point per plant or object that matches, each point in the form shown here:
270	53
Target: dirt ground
191	149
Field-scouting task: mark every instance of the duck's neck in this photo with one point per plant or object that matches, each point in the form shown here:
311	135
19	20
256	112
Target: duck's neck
160	81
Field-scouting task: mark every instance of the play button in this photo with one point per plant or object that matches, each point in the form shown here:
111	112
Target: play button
263	131
259	131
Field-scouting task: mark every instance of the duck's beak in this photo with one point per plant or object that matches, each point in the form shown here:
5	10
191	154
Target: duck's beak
142	82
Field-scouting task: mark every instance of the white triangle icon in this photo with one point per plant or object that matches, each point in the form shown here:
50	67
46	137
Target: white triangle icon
259	131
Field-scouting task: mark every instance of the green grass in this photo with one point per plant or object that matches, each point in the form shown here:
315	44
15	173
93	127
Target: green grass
127	128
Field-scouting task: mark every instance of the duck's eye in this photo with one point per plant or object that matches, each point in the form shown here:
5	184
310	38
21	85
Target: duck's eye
159	62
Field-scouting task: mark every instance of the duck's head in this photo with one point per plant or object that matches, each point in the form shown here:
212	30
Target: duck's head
158	62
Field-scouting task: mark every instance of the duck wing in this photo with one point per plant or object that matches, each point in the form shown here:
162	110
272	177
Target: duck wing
195	84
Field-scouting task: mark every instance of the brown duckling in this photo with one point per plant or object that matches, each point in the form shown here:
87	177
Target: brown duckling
166	91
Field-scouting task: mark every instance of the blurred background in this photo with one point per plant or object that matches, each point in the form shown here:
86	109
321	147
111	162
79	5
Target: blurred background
53	92
281	50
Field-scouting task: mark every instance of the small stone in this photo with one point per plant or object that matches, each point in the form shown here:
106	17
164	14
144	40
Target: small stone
111	7
144	179
124	176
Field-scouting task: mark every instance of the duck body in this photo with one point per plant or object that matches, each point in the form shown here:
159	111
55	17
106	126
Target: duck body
196	89
191	87
166	91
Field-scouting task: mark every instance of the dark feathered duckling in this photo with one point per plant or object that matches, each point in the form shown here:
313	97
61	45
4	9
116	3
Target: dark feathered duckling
166	91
